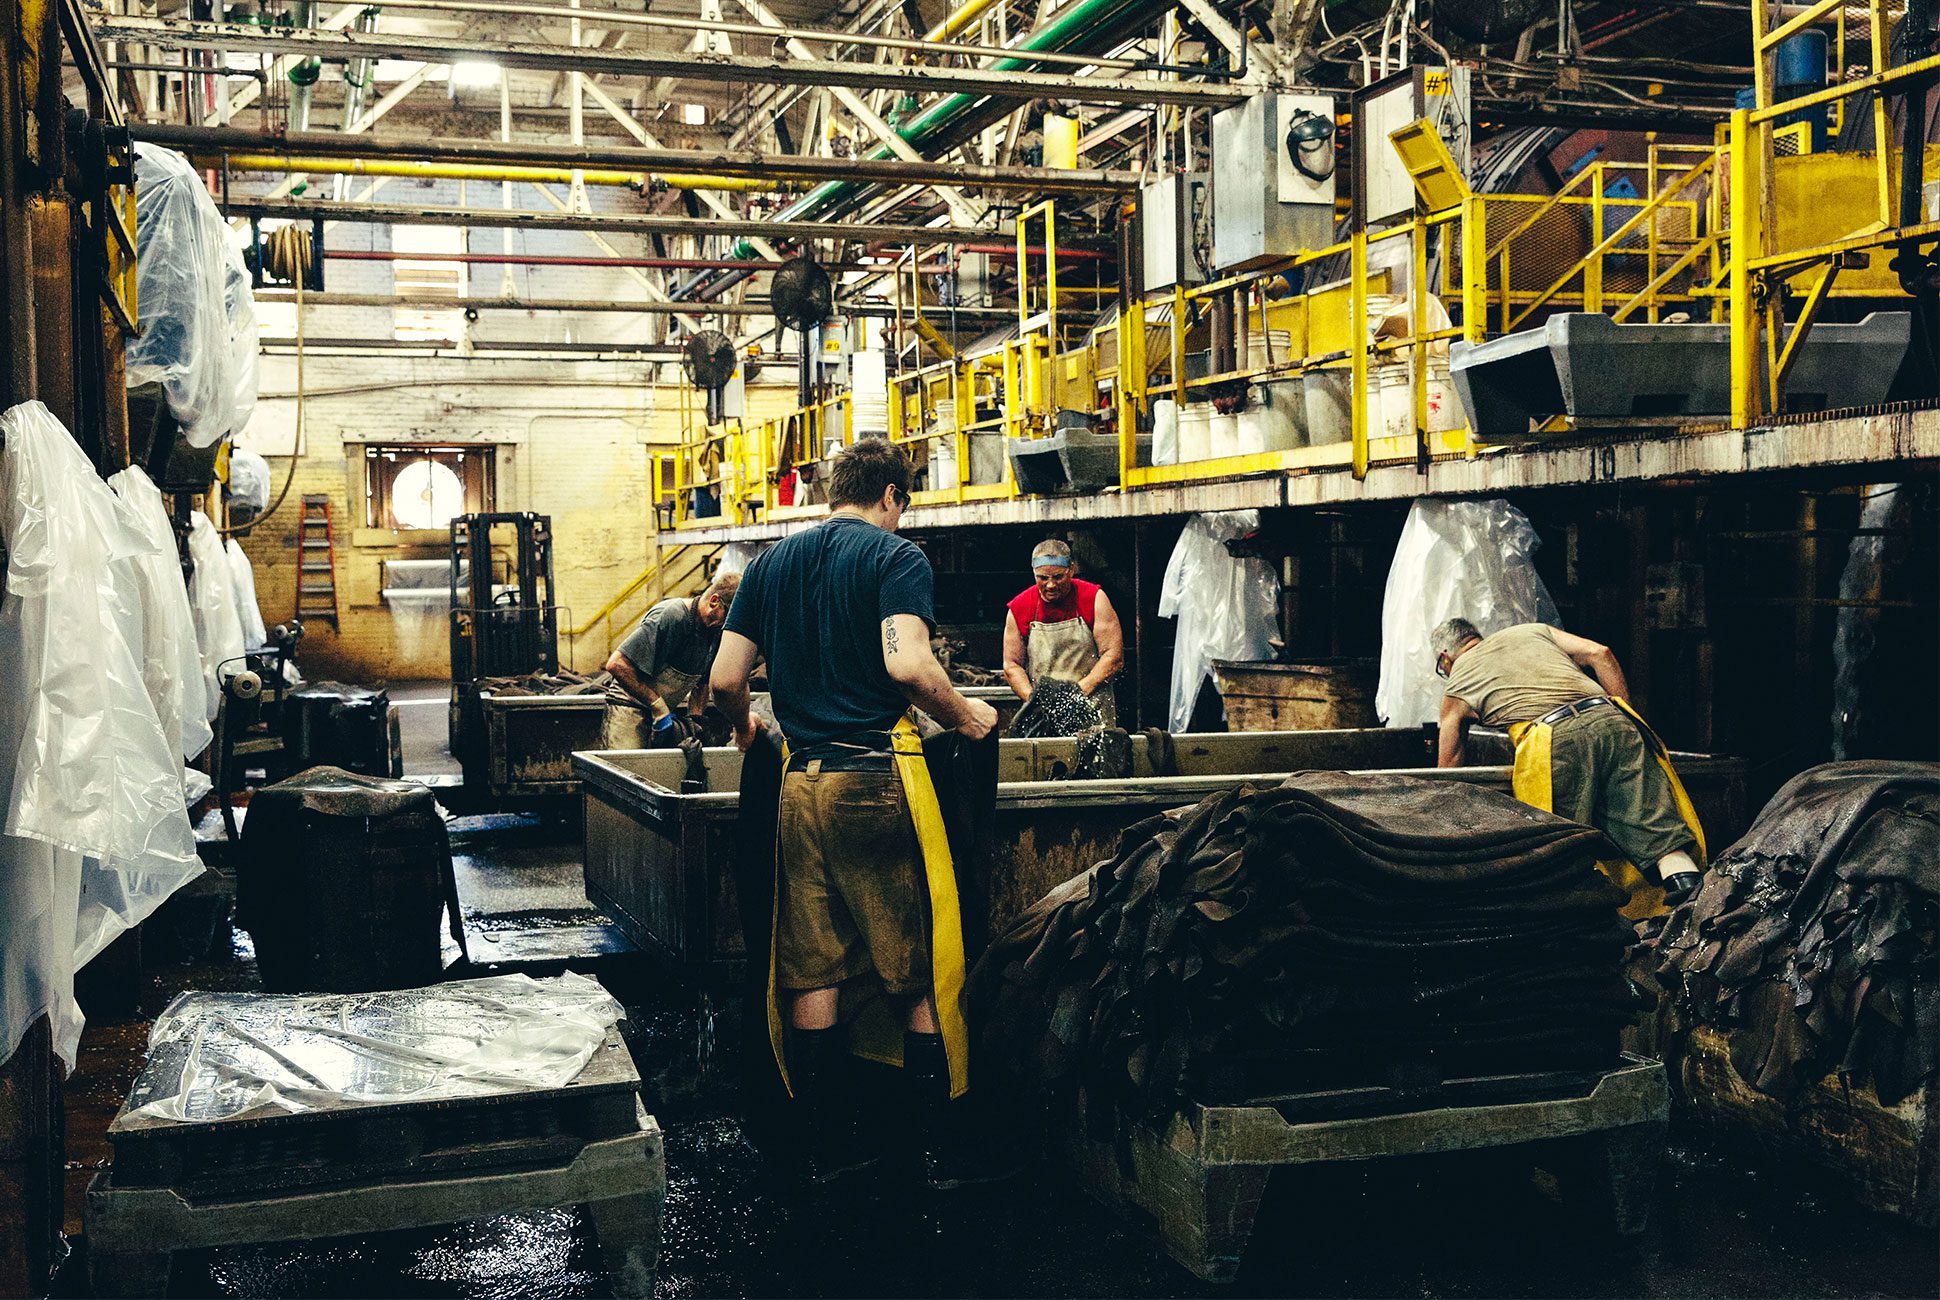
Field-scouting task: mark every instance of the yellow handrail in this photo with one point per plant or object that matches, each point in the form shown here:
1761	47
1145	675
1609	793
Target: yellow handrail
613	604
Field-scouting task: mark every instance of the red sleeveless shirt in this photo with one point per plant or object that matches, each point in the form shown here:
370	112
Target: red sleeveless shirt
1029	607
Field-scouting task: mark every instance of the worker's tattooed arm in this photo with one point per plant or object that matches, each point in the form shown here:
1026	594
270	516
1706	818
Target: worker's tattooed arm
912	665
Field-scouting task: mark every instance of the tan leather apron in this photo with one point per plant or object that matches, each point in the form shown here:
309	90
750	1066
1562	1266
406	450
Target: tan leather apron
1064	652
629	724
876	1031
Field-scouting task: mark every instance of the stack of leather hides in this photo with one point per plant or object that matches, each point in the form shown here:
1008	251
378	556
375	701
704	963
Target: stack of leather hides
1338	931
1812	941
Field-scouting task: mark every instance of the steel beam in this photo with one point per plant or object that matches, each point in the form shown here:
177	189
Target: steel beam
405	214
164	33
212	141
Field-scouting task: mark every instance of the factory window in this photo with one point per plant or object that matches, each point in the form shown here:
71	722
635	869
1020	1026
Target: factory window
427	269
425	487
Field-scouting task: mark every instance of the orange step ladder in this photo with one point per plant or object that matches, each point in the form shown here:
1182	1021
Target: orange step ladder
316	576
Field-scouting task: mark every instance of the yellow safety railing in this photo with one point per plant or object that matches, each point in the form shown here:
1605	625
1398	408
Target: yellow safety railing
1707	231
1766	252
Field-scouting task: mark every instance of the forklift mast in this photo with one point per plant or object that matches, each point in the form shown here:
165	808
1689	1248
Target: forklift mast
509	628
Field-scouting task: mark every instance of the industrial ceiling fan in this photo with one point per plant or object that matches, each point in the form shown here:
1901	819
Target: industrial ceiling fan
802	295
708	358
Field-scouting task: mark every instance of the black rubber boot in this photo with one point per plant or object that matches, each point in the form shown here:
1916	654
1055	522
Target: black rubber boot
954	1153
828	1140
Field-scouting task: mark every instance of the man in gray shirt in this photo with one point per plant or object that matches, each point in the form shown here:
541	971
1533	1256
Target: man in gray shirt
662	668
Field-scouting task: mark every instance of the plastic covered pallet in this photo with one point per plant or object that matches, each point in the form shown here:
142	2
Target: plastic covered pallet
341	882
217	1056
1456	559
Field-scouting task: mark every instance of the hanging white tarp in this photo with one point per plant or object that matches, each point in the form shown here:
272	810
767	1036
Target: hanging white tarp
93	831
1227	608
1456	559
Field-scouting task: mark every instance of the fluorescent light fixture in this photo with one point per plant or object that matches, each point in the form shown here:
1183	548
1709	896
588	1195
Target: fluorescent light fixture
474	73
694	114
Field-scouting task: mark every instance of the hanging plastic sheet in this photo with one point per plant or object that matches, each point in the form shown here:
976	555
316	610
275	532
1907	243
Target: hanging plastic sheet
1456	559
95	834
248	485
239	311
737	556
212	595
182	272
216	1056
1227	608
172	662
248	612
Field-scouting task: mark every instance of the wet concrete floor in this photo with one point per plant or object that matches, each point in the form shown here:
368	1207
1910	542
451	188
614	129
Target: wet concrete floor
1725	1223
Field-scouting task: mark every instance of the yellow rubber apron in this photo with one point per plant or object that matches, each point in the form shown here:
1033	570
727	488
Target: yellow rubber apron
1531	781
629	724
1066	651
876	1030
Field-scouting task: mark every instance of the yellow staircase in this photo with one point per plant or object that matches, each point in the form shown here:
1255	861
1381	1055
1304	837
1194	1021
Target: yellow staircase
675	571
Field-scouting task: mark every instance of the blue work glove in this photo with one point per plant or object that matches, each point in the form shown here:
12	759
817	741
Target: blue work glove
665	723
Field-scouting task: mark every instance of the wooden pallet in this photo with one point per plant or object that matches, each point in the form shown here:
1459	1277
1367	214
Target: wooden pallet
1202	1179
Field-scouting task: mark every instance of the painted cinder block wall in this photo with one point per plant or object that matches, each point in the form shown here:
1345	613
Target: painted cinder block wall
571	439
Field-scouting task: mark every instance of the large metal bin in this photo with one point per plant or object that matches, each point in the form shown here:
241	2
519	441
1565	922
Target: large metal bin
657	860
530	740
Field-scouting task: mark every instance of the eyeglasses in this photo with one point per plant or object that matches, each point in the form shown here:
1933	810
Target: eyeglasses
1442	664
901	497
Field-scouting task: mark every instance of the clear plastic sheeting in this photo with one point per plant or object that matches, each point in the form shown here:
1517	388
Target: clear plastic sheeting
1227	608
172	663
248	612
1456	559
212	596
93	832
248	485
239	310
737	556
218	1056
189	341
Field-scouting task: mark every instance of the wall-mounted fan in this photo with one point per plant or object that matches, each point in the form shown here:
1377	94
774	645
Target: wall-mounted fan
802	295
708	358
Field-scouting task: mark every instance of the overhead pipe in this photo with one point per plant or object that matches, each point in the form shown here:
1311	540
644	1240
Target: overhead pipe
303	73
209	141
929	44
266	162
618	263
357	73
1082	20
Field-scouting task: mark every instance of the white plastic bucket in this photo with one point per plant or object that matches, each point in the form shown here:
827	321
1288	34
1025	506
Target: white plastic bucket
1328	418
1257	348
1225	435
943	463
1195	431
1165	432
1275	417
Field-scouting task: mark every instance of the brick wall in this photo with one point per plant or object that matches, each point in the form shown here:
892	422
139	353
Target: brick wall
571	440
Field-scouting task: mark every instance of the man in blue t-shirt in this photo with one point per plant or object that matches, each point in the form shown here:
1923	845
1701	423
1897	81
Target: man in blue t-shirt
843	613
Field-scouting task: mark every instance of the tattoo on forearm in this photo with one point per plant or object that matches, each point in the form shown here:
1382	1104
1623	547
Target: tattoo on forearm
889	635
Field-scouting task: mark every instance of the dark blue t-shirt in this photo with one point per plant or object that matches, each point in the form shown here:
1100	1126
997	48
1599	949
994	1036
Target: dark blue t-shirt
814	604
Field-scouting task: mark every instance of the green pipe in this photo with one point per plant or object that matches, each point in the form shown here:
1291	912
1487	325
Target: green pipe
1080	20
